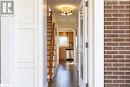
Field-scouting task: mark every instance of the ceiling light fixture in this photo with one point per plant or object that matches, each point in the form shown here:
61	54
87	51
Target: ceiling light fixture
66	11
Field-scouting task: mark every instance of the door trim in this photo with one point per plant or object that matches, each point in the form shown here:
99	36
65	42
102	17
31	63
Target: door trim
40	44
96	43
82	82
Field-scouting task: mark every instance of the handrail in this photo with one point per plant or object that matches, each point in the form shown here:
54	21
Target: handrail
52	50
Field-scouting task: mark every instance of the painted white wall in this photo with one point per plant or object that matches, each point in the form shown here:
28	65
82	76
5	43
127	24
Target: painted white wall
7	50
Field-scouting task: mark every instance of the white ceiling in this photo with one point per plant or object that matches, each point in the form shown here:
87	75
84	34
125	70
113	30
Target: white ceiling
65	21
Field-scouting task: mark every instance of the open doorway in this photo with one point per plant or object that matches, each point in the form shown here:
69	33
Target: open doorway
66	39
66	47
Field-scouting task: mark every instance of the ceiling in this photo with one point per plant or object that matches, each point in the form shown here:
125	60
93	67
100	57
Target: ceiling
65	21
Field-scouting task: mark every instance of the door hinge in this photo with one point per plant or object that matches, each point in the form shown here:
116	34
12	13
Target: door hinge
86	3
86	44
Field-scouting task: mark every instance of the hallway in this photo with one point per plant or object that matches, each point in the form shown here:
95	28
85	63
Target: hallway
66	76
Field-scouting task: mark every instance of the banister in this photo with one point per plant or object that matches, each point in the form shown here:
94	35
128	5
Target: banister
52	51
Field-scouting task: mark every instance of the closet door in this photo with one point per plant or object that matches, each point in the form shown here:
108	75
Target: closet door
26	25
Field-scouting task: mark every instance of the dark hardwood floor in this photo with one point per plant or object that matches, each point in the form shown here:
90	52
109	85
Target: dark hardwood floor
66	76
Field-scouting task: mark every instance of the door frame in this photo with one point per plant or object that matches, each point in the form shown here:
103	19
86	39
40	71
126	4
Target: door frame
40	42
84	81
98	43
95	43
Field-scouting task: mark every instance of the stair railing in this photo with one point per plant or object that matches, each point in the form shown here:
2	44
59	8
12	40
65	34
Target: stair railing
52	51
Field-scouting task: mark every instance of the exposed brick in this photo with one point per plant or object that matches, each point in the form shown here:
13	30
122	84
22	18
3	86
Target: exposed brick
124	11
118	15
111	85
112	19
108	23
117	43
127	15
118	48
107	15
124	2
118	73
124	77
124	27
118	81
111	11
112	77
118	23
108	81
124	85
127	23
108	48
112	44
124	19
127	73
118	7
118	56
111	3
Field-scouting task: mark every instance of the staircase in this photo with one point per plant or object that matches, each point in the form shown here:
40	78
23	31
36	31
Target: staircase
50	47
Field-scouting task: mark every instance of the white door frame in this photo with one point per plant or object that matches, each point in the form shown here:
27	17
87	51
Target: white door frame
98	43
95	43
41	44
84	81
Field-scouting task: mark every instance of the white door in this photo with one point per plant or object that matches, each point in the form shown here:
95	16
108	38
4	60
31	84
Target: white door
29	58
24	43
83	45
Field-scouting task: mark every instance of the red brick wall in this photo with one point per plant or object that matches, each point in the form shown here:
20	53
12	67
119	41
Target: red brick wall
117	43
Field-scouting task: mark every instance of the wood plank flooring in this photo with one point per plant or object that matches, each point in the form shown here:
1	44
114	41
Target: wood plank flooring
66	76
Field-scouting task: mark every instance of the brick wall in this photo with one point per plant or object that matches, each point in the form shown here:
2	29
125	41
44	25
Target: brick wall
117	43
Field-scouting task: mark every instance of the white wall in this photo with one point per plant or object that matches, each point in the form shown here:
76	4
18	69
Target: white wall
7	50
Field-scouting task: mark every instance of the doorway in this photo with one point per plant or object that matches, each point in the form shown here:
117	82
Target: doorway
66	47
71	21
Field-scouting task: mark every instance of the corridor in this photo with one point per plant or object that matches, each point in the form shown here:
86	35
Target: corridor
66	76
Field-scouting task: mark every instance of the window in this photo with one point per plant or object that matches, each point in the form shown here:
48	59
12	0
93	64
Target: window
63	41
